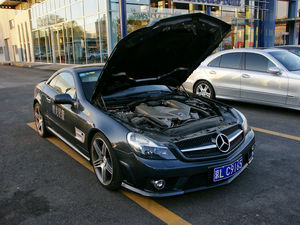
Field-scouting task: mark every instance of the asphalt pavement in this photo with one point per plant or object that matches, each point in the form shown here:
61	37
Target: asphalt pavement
40	184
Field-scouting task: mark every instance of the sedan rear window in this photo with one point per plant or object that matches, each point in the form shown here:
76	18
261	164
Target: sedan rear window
215	62
289	60
231	60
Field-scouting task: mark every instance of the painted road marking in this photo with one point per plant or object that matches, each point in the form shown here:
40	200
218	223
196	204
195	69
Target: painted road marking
276	133
156	209
148	204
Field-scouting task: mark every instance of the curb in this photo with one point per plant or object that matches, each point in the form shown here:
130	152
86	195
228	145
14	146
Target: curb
5	63
41	66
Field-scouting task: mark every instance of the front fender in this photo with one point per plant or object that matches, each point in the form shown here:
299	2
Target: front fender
112	129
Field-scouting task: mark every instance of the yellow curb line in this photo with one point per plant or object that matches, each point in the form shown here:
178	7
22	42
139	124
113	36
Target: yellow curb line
276	133
148	204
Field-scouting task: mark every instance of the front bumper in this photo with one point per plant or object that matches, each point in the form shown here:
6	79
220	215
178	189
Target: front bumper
181	177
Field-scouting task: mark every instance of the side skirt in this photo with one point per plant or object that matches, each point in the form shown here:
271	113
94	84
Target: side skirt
68	143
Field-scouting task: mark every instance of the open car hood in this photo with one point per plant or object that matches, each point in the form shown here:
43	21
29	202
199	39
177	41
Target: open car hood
165	52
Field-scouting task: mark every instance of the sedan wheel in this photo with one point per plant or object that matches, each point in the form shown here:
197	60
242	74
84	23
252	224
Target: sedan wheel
204	89
39	121
104	162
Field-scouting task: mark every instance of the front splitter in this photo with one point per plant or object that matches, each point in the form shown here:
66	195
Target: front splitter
181	192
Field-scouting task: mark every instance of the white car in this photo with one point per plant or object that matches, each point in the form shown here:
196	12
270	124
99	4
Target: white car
264	76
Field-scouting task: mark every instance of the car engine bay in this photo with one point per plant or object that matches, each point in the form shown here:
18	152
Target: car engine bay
172	114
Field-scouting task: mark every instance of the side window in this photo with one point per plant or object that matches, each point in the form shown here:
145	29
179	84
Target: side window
53	81
64	83
215	62
231	60
257	62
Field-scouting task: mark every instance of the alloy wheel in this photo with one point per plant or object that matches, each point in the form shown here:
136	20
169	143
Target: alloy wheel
204	90
102	161
39	121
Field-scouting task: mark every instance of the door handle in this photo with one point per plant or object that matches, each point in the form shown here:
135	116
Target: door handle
212	72
246	76
48	99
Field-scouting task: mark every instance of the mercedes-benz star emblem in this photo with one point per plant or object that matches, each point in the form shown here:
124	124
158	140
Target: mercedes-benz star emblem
223	143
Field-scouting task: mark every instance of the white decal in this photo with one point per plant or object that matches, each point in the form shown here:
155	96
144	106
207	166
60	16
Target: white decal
79	135
59	112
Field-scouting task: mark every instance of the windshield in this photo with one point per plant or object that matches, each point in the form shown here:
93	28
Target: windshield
88	80
295	51
287	59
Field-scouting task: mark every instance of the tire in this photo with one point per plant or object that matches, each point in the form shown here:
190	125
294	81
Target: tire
39	121
204	89
105	163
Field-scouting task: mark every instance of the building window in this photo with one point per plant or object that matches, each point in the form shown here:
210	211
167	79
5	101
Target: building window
79	43
1	50
282	9
16	50
11	24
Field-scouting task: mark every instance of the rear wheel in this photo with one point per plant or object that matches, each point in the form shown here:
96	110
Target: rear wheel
39	121
204	89
105	163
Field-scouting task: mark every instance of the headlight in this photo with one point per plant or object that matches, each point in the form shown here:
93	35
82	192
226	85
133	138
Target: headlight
244	121
147	148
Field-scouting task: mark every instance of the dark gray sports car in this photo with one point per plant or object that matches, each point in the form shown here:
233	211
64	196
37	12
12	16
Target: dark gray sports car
135	125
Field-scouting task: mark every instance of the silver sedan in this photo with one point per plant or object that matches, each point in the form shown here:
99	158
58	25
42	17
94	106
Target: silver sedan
264	76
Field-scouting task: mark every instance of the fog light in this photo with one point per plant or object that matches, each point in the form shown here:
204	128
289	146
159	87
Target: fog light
159	184
251	155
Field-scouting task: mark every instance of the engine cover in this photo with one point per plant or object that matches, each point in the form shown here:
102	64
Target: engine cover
166	112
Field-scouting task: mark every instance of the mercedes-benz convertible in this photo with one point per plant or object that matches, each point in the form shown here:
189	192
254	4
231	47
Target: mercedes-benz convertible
136	125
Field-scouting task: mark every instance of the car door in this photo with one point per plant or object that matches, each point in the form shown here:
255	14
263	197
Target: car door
258	84
293	96
61	115
69	119
225	74
47	100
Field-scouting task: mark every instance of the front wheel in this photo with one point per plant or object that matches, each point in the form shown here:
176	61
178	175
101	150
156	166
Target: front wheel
39	121
105	163
204	89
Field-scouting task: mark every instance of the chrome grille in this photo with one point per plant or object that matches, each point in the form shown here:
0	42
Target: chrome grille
204	147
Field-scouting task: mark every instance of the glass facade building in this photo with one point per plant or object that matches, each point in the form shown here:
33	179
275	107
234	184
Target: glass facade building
72	32
244	16
81	31
284	20
86	31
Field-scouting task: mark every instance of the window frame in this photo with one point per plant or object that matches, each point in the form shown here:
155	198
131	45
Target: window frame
11	24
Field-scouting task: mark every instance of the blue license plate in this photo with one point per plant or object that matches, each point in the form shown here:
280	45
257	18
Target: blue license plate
224	172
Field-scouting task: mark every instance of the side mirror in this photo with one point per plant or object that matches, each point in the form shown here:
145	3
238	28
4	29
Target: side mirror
274	70
63	99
